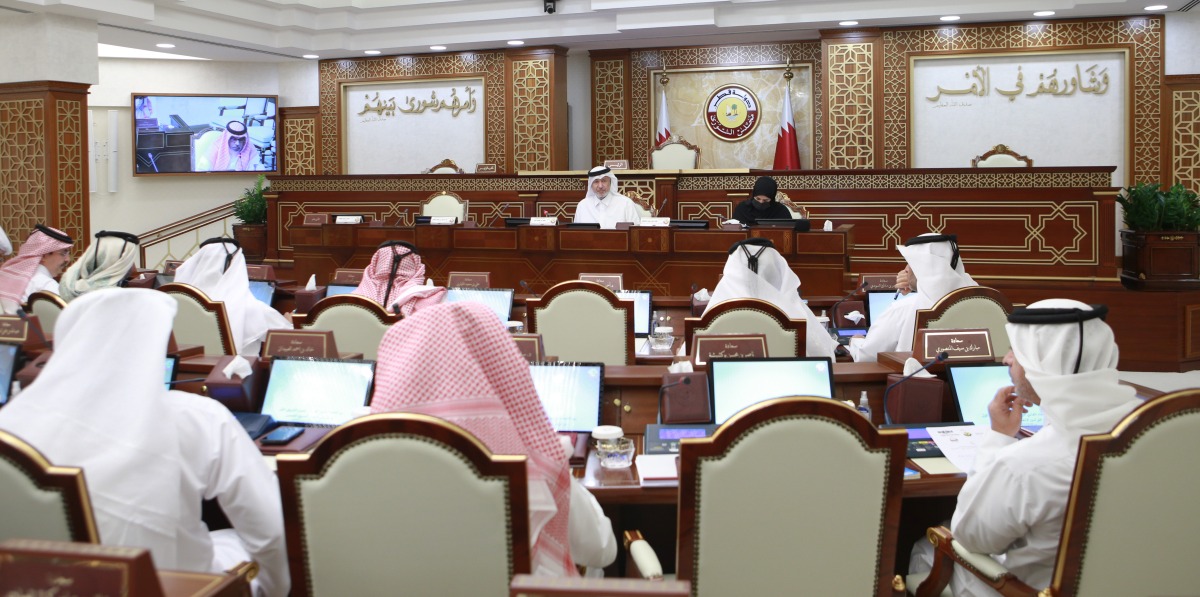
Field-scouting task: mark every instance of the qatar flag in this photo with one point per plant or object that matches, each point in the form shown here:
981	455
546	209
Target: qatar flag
664	123
787	156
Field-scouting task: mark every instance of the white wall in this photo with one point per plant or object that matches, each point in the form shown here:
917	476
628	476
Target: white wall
35	44
579	99
143	203
1182	32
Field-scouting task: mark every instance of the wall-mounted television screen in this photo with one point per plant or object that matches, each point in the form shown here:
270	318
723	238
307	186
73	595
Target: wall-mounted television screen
181	134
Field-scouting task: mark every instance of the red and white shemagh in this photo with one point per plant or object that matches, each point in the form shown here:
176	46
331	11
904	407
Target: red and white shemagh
456	362
16	272
223	159
408	287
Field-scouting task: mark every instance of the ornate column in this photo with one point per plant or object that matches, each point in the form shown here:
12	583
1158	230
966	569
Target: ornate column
537	80
853	93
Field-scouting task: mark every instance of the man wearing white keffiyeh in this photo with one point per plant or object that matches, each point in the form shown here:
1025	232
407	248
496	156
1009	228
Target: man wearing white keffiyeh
603	204
106	263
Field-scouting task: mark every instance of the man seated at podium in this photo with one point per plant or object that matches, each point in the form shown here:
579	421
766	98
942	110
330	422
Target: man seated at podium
934	269
42	257
456	362
218	270
762	204
603	204
150	455
1064	358
395	278
106	263
230	149
756	270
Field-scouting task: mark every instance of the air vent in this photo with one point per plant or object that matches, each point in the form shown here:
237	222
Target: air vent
1189	5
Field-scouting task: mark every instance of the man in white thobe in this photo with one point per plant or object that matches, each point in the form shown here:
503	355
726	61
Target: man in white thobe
603	204
150	455
936	269
42	256
1064	358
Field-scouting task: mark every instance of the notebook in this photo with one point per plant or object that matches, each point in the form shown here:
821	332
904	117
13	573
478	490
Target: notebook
735	384
336	289
499	300
169	373
975	385
570	393
304	392
263	290
9	355
641	310
877	302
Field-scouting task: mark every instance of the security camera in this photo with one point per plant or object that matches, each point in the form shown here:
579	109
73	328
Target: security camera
548	6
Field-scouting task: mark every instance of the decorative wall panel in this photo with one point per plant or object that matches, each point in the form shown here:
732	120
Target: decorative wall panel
301	140
609	87
532	109
71	189
1185	138
851	107
22	167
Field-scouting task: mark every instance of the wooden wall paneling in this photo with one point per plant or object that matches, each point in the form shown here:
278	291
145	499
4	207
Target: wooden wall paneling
853	91
299	143
537	136
1181	131
611	111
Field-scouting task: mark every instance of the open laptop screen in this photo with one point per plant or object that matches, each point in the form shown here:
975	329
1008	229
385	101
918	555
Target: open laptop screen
641	310
570	393
878	301
735	384
974	387
169	371
336	289
317	392
262	290
499	300
8	366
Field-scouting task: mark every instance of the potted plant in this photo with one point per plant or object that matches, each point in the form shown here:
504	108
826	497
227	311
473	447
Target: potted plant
251	209
1160	241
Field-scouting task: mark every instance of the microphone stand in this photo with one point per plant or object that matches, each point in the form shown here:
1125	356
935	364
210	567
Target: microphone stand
662	393
833	318
887	416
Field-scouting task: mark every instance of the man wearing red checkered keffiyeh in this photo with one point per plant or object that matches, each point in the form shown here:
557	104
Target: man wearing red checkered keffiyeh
396	279
455	361
42	256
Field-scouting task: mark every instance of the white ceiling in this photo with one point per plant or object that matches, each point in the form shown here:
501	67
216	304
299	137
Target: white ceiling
278	30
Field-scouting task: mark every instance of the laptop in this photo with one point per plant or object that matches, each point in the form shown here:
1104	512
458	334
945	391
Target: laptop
973	387
877	302
795	224
10	355
641	310
336	289
735	384
304	392
263	290
570	393
169	372
499	300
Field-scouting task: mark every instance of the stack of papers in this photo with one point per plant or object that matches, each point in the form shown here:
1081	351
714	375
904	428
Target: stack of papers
657	468
957	443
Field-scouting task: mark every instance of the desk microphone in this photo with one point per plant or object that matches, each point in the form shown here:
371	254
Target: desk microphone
192	380
525	287
835	320
887	416
687	380
37	329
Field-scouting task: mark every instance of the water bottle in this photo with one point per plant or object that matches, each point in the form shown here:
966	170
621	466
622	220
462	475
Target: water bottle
864	407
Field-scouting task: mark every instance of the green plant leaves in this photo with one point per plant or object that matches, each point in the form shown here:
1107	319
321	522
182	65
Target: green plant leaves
1148	208
251	207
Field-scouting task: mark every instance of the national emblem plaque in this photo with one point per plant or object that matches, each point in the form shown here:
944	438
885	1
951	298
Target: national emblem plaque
731	112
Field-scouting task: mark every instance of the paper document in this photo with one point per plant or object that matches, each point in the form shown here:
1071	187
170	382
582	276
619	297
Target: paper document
957	443
657	467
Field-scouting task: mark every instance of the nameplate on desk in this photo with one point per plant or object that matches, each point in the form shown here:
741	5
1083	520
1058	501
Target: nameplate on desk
959	345
315	219
613	282
727	346
348	220
33	567
300	343
657	222
530	346
543	221
13	329
879	281
443	220
170	266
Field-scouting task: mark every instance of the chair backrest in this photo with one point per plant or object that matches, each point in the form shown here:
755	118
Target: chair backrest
645	207
446	166
40	500
793	495
785	337
675	154
404	502
970	307
799	212
445	204
1131	526
583	321
1001	156
357	322
47	306
200	320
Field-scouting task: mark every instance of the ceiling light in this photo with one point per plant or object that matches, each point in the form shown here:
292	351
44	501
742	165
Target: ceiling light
311	56
371	52
164	45
848	23
437	48
951	18
1157	7
515	42
1044	13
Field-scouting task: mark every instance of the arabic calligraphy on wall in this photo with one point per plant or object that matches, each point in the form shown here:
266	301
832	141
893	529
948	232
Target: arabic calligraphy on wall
1093	79
376	107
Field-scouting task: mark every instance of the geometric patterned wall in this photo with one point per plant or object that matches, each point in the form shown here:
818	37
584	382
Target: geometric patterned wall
1183	117
1141	34
301	140
539	109
852	107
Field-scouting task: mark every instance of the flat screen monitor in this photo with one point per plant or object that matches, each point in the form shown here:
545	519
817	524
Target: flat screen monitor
182	134
9	354
336	289
514	222
735	384
317	392
797	225
169	371
975	385
570	393
878	301
499	300
263	290
641	310
696	224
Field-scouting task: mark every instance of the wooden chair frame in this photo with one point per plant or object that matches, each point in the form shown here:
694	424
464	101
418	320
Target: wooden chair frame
293	467
217	307
466	205
302	320
534	304
925	317
1002	149
1093	449
446	163
675	140
798	326
43	296
66	480
787	202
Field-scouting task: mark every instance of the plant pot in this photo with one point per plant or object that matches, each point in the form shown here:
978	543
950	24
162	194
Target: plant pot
1160	260
253	238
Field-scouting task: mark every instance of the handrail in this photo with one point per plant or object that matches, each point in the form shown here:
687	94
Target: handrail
175	229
